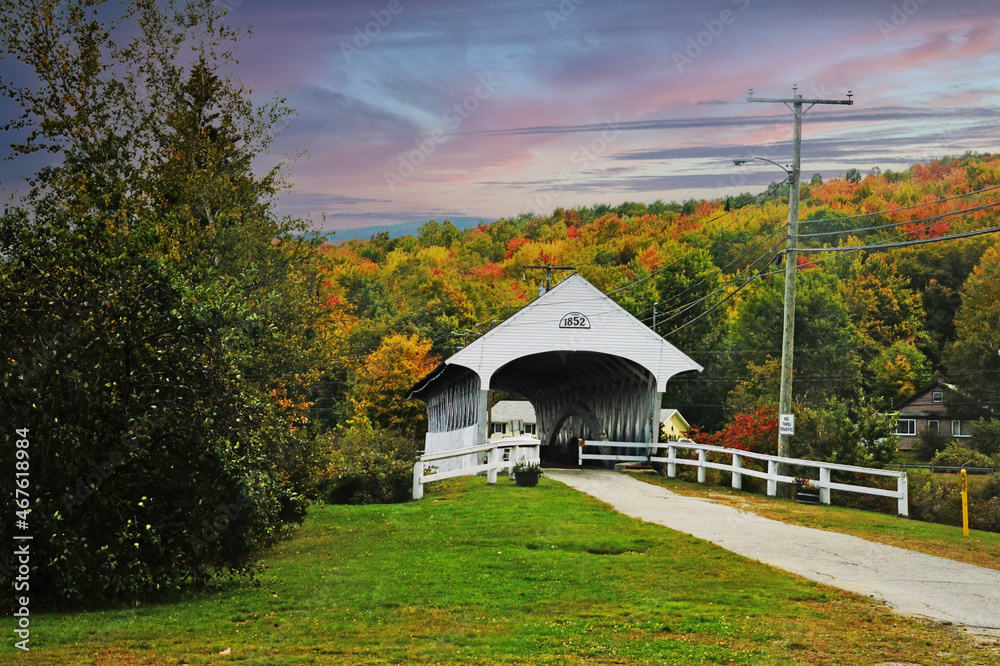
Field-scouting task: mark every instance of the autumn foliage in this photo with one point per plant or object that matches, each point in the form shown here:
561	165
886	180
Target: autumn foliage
756	432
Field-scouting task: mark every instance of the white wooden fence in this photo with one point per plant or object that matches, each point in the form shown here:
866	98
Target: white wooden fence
823	482
515	448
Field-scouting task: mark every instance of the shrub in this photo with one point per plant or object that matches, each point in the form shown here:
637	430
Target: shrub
372	466
986	437
991	489
847	433
938	499
929	442
959	455
757	432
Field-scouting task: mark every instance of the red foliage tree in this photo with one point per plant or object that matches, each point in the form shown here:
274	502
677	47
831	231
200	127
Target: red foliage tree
756	432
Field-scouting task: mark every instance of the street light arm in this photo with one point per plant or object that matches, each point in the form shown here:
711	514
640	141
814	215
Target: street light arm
741	161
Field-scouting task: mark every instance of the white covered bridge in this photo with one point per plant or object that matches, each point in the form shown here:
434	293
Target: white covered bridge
591	370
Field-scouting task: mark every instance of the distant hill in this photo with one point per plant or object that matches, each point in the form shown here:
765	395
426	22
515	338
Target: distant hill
397	230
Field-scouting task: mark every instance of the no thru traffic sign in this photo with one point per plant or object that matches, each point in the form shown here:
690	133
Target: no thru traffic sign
786	424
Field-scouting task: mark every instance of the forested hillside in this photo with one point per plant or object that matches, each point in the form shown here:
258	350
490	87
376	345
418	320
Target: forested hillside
872	325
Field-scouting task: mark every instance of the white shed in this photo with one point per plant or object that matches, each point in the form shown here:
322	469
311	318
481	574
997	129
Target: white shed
590	369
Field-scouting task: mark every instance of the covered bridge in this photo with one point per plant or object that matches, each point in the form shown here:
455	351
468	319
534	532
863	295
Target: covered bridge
590	369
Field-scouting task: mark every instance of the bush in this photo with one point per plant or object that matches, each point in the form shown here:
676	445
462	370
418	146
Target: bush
372	466
938	499
959	455
929	442
846	433
986	437
991	489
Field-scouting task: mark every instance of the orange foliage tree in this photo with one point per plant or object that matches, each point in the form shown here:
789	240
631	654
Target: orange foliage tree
382	383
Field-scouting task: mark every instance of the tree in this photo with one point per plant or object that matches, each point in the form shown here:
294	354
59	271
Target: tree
384	381
847	433
825	363
973	360
898	371
888	317
161	326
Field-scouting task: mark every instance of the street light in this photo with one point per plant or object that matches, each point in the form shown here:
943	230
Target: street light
743	160
788	327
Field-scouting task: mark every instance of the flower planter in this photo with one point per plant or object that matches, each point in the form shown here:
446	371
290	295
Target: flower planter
526	478
806	493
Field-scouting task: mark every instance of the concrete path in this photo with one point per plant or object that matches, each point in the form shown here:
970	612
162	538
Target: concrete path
913	583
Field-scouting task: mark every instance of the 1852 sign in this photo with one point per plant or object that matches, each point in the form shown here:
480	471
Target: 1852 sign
574	320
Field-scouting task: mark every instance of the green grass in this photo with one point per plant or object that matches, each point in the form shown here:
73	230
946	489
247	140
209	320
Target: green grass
478	574
979	548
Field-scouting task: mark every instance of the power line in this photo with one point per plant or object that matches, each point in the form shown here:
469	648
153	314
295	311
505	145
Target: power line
896	210
954	213
918	241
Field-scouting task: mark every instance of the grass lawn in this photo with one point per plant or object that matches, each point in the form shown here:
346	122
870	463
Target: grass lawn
478	574
979	548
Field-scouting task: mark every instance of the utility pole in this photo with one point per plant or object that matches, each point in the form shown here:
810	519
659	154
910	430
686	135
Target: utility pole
548	275
798	106
654	315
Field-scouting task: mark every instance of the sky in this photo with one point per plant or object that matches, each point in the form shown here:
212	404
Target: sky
412	110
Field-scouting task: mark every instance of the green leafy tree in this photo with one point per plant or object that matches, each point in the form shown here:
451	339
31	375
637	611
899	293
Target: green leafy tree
164	326
825	363
973	359
846	433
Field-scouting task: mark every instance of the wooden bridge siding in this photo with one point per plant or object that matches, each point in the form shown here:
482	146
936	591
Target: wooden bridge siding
456	417
625	404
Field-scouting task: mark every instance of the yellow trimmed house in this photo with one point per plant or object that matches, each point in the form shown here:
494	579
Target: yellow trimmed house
673	426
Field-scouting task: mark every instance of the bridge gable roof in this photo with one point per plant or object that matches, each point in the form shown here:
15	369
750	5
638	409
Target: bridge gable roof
574	316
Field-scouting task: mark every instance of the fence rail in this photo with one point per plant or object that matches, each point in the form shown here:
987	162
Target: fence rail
946	469
516	448
735	467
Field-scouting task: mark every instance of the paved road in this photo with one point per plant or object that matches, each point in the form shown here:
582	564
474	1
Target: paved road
913	583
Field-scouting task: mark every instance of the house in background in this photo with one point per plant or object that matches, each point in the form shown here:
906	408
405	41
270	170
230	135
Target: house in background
673	426
513	418
925	410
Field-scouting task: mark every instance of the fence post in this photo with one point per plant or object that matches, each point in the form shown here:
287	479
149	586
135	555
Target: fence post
702	455
824	478
579	461
772	482
418	481
491	460
737	477
902	486
671	465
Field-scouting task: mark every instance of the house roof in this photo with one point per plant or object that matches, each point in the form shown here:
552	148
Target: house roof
512	410
573	316
667	414
936	385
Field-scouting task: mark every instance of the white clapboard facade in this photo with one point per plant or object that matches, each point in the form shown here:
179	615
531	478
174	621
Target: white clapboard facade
590	369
